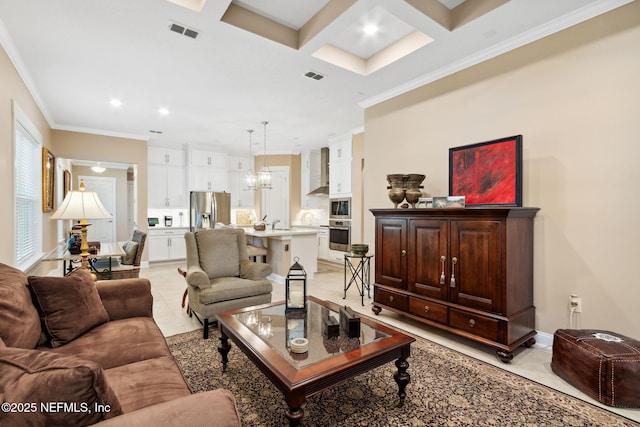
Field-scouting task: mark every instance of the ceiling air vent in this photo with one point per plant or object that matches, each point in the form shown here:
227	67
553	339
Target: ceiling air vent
314	75
190	33
181	29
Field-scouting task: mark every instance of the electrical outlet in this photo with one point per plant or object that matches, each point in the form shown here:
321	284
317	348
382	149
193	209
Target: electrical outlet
575	303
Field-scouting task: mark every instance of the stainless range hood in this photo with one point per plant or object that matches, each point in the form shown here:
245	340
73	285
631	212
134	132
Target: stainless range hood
323	190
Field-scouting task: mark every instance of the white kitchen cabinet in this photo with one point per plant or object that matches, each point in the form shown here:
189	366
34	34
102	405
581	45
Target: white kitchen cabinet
166	156
208	159
336	256
239	198
340	168
340	178
166	244
235	163
207	171
310	177
323	244
166	173
208	179
340	150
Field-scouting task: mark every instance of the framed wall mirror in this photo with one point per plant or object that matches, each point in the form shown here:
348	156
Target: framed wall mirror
48	179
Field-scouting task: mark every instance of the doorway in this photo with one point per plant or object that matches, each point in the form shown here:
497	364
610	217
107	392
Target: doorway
102	230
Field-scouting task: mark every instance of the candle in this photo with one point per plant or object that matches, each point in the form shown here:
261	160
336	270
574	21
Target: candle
296	299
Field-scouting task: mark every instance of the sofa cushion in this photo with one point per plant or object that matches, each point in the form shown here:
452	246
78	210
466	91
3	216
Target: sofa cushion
119	342
214	408
148	382
16	308
43	377
219	254
69	305
130	251
230	288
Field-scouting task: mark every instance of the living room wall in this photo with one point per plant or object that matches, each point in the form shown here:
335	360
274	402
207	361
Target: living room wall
13	89
65	144
84	146
574	98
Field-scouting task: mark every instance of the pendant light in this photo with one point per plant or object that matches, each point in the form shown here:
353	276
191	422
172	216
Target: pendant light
264	176
250	179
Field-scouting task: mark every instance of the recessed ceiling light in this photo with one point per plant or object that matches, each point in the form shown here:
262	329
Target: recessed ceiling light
116	103
163	111
370	29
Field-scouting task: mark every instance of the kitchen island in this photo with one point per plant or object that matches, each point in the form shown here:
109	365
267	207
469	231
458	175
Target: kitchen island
284	245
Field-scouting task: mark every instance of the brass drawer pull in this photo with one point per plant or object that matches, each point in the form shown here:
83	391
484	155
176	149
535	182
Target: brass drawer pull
390	298
472	323
404	252
442	277
426	308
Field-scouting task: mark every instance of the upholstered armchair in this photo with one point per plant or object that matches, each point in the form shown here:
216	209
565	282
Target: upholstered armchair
220	276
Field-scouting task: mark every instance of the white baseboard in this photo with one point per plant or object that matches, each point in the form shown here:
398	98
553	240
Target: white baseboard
544	339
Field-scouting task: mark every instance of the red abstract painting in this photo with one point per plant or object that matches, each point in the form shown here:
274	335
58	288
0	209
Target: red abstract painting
487	173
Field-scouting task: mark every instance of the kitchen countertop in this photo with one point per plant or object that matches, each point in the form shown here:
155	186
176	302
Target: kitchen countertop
162	227
296	231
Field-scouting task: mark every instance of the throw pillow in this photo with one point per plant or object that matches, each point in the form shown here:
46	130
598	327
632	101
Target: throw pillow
218	251
75	392
130	251
69	306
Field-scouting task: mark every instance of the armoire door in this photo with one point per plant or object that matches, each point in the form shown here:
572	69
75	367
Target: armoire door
476	264
391	244
428	257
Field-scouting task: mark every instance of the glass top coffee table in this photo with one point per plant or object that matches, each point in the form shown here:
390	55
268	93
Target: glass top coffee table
264	333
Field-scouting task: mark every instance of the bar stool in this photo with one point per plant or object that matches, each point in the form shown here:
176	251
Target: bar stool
256	251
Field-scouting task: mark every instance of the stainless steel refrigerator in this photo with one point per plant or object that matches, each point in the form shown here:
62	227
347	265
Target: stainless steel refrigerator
208	208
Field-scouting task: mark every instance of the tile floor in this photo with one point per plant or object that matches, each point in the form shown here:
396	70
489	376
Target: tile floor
168	287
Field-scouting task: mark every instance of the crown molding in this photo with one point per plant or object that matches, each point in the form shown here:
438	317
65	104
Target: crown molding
102	132
9	47
583	14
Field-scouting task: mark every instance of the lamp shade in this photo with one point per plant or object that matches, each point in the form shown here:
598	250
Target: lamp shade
81	205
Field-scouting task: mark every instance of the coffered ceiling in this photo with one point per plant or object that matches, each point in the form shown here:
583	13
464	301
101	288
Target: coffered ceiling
220	67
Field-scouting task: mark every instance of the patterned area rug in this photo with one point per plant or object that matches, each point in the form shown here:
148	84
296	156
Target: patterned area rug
447	389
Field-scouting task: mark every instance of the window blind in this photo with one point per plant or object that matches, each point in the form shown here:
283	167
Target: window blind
28	196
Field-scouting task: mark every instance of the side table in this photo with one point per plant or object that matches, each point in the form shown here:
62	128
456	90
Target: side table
359	270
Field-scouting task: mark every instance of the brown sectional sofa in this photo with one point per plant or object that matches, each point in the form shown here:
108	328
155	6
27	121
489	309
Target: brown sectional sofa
76	352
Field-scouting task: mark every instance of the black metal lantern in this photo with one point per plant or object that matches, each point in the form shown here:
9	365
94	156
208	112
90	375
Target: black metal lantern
296	288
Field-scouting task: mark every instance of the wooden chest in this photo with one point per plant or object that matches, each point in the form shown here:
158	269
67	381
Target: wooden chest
605	365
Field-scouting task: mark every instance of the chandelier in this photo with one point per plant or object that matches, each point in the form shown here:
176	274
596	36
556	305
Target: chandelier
250	179
264	176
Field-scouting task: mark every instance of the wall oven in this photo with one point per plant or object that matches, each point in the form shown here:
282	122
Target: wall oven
340	235
340	208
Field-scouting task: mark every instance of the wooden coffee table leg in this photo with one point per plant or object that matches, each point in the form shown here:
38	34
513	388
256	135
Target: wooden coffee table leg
295	417
295	414
223	349
403	378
